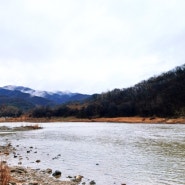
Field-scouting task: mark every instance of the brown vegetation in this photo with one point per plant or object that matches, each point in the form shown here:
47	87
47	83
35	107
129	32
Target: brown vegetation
116	120
33	127
4	174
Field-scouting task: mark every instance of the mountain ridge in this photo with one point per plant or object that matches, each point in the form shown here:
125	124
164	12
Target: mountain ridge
158	96
25	98
161	96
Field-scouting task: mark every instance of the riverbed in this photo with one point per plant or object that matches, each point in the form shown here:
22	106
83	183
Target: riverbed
108	153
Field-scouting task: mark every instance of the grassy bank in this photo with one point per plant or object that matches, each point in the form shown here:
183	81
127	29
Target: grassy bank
117	119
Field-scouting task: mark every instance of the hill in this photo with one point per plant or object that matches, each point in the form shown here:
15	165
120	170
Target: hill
159	96
162	96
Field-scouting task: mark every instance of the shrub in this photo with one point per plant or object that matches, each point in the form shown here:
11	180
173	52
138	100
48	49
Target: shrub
4	174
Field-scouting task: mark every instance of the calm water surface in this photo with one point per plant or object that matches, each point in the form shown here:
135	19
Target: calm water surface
109	153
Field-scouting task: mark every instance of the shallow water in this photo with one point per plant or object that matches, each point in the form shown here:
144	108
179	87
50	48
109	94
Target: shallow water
109	153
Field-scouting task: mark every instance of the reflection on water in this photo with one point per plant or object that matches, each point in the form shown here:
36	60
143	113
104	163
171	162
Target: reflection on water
109	153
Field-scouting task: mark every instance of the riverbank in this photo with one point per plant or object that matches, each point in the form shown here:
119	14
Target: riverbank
20	175
146	120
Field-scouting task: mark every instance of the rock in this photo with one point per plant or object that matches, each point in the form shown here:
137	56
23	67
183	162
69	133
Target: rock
18	170
33	183
9	144
6	153
57	174
12	183
78	178
92	182
49	171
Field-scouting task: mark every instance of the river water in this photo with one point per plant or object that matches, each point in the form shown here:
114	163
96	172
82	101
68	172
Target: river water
108	153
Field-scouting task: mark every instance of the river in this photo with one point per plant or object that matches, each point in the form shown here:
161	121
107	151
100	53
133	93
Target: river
108	153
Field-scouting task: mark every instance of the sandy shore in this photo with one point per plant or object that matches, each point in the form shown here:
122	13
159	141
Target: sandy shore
117	120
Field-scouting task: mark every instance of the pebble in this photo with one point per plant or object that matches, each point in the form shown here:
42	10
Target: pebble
57	174
49	171
92	182
78	178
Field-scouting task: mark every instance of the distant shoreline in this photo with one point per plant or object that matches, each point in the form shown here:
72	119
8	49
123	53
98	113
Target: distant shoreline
147	120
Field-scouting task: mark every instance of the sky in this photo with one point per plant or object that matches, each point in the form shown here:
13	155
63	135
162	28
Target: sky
89	46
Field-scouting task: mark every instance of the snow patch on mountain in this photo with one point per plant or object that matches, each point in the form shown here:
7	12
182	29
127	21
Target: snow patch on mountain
33	92
10	87
55	97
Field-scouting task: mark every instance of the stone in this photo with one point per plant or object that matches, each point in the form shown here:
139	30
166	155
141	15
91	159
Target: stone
33	183
20	171
92	182
12	183
57	174
49	171
6	153
78	178
9	144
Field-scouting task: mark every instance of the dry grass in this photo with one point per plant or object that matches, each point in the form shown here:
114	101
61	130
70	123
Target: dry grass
31	127
35	126
4	174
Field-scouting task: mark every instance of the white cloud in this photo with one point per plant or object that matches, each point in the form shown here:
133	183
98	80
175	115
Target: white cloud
89	46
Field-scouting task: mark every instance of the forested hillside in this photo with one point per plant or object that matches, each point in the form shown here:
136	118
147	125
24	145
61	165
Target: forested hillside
162	96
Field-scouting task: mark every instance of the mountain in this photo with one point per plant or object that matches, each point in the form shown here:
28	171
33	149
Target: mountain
26	98
57	97
162	96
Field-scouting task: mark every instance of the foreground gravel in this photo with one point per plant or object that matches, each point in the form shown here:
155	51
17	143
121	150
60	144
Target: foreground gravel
28	176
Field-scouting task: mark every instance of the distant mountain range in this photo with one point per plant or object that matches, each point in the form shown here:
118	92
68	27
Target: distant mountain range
26	98
162	96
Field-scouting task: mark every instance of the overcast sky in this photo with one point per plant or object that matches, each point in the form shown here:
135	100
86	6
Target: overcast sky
89	46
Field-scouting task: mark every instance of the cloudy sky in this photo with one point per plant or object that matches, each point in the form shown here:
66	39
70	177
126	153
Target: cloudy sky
89	46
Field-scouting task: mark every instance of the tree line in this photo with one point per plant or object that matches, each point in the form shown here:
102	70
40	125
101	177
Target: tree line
162	96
